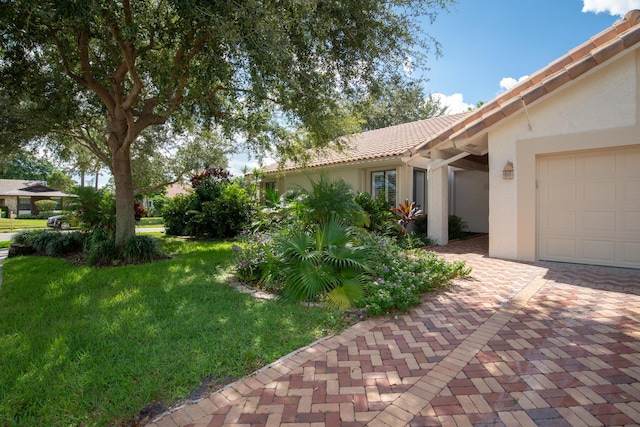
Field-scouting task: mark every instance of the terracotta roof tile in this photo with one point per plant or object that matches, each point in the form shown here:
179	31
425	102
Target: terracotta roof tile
380	143
597	50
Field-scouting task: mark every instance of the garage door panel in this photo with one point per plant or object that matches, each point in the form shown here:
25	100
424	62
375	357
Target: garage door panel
599	165
627	163
630	223
561	166
602	192
630	191
599	221
564	248
630	253
588	207
560	192
561	221
599	251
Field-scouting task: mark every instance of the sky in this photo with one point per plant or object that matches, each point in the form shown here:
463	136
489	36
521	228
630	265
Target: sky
488	45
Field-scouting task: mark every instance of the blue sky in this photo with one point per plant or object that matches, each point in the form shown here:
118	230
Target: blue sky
486	41
487	45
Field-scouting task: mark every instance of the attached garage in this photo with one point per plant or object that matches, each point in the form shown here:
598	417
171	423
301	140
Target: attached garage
588	207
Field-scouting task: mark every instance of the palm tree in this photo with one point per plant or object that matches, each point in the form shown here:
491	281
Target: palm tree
326	261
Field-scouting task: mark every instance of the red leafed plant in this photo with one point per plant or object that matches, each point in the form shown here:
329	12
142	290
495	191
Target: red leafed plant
407	213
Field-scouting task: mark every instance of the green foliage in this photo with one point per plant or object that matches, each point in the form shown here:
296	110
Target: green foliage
60	181
94	209
94	346
140	249
396	103
326	262
177	212
4	212
274	75
23	164
52	243
379	212
402	276
45	205
217	208
457	227
326	199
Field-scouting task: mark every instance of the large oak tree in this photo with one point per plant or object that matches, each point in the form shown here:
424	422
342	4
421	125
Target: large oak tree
268	72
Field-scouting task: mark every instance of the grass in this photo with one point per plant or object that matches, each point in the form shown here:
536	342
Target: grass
31	224
93	346
152	222
4	244
22	224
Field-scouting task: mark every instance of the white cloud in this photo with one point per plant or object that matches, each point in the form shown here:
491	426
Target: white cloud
455	102
612	7
508	82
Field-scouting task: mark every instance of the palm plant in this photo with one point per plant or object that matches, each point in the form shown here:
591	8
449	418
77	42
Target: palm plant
327	198
325	262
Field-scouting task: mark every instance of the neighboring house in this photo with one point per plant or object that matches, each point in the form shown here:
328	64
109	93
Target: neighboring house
20	195
561	179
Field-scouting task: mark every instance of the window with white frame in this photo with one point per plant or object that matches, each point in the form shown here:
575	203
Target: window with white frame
383	183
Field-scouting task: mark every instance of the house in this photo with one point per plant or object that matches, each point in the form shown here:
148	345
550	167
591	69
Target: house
20	195
555	160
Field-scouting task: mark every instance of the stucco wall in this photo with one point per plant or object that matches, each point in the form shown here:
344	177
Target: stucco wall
471	199
596	111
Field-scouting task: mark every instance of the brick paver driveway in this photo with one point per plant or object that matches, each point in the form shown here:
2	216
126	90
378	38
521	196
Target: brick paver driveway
514	344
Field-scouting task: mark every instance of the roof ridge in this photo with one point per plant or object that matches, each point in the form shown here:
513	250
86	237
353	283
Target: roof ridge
601	47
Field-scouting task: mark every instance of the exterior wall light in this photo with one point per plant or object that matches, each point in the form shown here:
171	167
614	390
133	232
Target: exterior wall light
507	172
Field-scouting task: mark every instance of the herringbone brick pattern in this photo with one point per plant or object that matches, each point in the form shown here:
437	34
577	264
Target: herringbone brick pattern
514	344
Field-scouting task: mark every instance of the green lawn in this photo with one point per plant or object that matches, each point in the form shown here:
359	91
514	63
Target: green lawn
22	224
31	224
92	346
152	222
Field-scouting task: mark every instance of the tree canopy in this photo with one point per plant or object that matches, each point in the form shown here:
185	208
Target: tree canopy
267	72
397	103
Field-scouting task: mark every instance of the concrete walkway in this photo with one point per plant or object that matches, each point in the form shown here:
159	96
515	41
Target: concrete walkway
543	344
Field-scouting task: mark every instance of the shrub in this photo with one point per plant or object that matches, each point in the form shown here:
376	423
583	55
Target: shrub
45	205
4	211
326	199
217	208
402	276
457	227
176	214
140	249
102	252
52	243
379	211
327	262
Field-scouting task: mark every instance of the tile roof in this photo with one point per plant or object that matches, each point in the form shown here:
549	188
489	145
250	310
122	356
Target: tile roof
375	144
19	187
621	36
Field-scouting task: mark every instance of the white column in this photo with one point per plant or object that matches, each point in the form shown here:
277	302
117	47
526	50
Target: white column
438	202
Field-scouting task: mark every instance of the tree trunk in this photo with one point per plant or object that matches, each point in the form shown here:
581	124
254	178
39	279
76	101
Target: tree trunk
125	218
97	175
82	179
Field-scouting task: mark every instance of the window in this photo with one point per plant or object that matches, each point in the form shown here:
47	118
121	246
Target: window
384	183
270	185
24	203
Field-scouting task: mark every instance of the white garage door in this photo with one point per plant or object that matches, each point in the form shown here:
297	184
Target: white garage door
589	207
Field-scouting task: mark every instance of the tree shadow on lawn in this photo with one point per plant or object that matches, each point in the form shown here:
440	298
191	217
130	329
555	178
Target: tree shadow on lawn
104	343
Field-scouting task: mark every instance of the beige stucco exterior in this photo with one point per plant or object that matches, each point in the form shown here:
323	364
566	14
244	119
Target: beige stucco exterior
599	110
